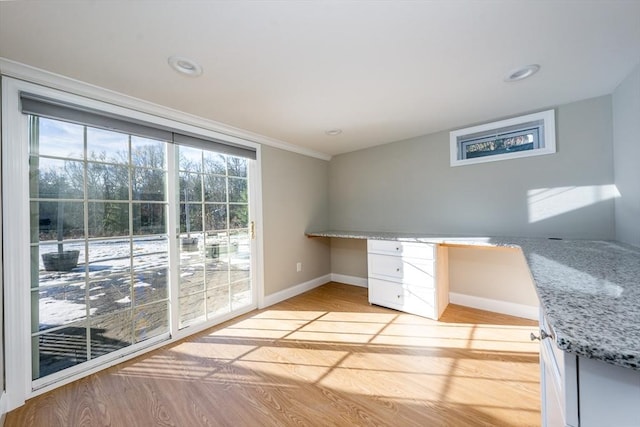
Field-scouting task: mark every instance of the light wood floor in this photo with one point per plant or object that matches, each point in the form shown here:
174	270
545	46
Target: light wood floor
325	358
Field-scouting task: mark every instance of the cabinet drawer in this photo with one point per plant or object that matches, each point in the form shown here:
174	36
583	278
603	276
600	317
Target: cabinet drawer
407	298
407	249
401	269
388	294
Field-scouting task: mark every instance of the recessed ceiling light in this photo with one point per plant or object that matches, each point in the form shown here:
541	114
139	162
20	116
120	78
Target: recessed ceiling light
185	66
333	132
522	73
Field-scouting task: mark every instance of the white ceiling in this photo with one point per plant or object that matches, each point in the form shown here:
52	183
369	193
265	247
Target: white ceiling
379	70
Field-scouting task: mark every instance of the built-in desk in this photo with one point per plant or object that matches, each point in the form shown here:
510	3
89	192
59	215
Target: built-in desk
589	294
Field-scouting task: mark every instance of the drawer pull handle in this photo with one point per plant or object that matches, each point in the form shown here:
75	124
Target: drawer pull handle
399	296
398	269
543	335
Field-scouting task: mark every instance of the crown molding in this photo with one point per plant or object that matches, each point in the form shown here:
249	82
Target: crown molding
35	75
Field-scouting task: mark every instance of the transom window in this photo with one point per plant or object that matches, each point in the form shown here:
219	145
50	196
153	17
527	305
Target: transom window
524	136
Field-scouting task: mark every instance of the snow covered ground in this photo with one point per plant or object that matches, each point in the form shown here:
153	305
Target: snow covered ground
114	285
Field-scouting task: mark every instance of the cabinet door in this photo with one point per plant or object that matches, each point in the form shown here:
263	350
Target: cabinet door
420	300
609	395
551	389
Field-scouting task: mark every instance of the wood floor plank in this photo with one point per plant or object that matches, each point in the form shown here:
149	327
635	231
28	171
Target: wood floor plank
324	358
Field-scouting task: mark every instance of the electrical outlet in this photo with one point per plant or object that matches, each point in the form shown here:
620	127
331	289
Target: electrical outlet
299	267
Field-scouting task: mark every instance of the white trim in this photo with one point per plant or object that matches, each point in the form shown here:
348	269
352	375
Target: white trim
503	307
363	282
548	118
15	228
57	81
257	248
295	290
3	407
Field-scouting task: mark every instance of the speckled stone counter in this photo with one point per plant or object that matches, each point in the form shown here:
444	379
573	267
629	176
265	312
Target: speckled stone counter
589	290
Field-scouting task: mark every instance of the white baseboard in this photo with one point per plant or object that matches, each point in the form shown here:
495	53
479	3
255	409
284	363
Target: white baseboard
350	280
295	290
503	307
3	409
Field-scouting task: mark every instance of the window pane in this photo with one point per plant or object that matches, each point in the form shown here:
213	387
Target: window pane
150	321
238	216
508	143
148	153
215	163
191	309
190	217
109	256
60	139
215	217
218	272
238	190
56	179
190	187
111	294
148	184
241	294
218	301
215	188
59	305
237	166
107	146
190	159
150	245
58	220
60	349
108	219
107	182
149	218
110	333
191	278
150	278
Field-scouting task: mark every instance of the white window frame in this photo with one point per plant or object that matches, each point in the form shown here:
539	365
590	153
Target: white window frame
16	227
545	144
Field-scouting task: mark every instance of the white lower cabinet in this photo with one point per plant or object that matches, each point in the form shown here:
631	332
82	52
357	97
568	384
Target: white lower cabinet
410	277
580	392
558	384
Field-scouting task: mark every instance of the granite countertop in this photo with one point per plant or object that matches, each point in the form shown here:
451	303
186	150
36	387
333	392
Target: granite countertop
589	289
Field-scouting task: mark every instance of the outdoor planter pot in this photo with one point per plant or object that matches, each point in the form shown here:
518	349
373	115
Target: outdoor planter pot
60	261
189	243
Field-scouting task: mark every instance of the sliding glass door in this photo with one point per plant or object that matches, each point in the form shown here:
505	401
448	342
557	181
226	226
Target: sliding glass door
101	207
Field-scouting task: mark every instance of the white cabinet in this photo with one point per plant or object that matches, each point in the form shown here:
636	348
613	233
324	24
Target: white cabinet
580	392
558	383
408	276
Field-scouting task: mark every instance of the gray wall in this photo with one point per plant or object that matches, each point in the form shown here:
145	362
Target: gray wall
294	200
408	186
626	149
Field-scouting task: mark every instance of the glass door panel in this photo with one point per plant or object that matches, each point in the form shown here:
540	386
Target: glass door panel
99	243
215	251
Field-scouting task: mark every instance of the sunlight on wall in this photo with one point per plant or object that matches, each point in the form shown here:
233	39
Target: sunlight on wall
544	203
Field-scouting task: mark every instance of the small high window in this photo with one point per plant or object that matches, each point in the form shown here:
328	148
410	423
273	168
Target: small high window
524	136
